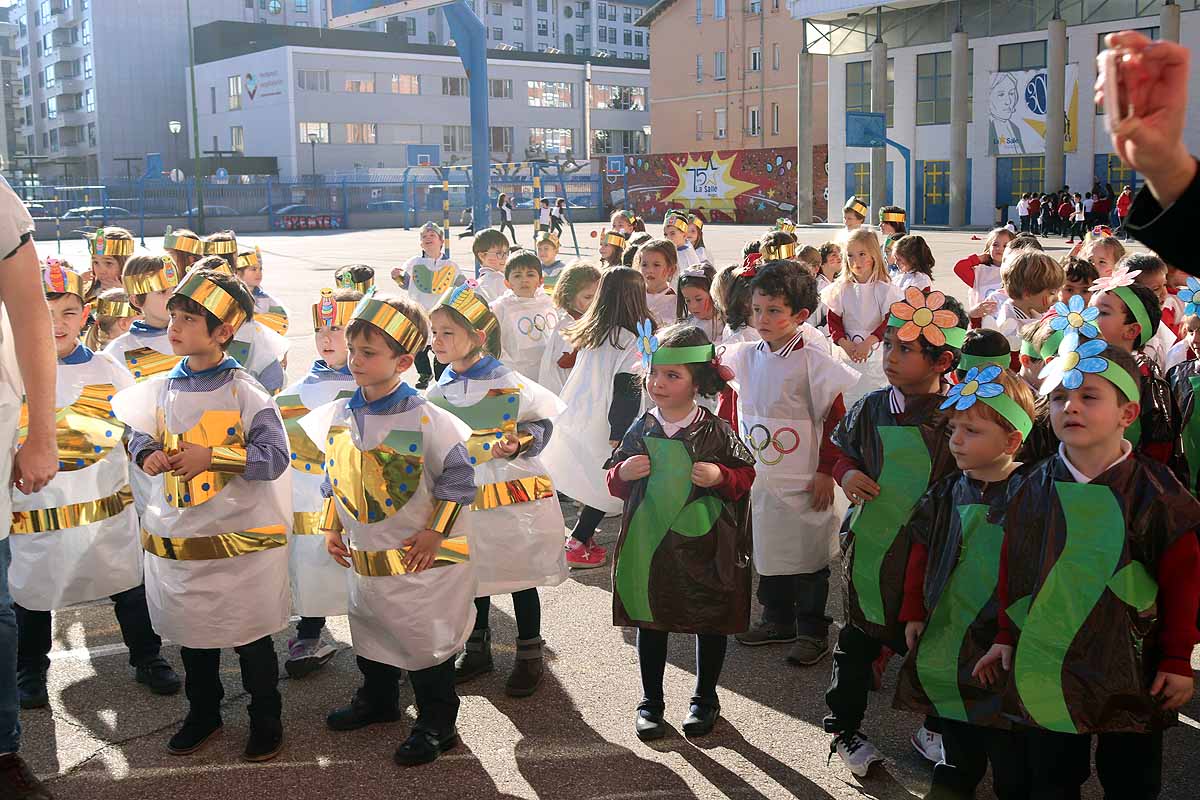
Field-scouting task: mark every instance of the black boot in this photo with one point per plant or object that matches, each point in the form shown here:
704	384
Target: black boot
527	669
422	747
192	736
265	742
159	676
31	688
476	659
360	713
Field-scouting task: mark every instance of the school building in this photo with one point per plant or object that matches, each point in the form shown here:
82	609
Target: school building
969	92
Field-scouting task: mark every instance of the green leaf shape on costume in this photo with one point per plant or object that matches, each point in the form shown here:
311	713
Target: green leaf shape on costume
902	480
971	585
239	352
499	408
1095	540
664	507
1019	610
1191	435
1134	584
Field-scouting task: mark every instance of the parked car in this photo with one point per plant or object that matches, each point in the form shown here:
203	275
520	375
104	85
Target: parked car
213	211
387	205
37	210
94	212
299	210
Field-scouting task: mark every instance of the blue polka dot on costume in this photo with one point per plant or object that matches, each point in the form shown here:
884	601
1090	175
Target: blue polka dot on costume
96	448
512	399
499	435
187	498
388	502
308	467
133	361
108	434
507	417
170	498
335	481
230	431
412	448
79	462
294	456
403	488
205	487
473	459
487	446
331	440
408	469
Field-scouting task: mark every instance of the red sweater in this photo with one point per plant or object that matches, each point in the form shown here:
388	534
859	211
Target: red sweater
965	269
735	482
837	329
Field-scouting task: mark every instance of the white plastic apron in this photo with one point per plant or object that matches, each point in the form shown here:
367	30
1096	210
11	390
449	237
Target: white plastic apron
862	306
526	325
10	414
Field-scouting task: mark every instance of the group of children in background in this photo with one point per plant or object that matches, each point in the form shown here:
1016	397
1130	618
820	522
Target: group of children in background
1007	482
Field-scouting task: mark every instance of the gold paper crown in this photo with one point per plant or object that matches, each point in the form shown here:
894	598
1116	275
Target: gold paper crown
786	225
101	244
57	278
346	281
696	220
220	247
474	308
167	277
779	251
676	221
615	239
249	258
548	236
186	243
892	216
391	321
121	309
218	302
857	206
332	312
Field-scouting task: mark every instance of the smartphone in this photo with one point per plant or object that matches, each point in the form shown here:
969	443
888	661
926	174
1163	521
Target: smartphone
1116	107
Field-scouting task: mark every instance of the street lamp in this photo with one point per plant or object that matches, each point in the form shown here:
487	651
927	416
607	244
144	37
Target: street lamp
174	126
313	138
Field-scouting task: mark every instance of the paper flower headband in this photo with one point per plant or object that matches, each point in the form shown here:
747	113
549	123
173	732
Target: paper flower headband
981	386
654	355
1075	316
1077	358
921	316
1120	283
1190	295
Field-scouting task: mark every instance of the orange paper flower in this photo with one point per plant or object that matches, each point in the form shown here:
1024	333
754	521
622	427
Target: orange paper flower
923	315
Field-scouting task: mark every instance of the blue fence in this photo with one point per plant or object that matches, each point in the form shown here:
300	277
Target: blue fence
290	205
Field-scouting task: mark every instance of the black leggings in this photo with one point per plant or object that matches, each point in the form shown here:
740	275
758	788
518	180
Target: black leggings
508	224
585	527
652	659
527	608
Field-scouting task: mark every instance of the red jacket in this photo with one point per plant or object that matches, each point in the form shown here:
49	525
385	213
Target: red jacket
1123	204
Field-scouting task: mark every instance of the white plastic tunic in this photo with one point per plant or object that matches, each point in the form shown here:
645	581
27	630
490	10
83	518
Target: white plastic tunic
550	374
526	324
862	307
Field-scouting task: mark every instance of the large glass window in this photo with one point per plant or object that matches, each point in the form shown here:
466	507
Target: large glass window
1028	175
403	83
858	87
456	138
1022	55
455	87
552	140
361	133
719	65
719	124
500	88
235	92
500	139
359	83
623	98
237	139
551	94
319	129
312	80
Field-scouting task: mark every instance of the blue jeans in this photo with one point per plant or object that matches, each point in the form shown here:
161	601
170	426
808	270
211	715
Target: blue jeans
10	723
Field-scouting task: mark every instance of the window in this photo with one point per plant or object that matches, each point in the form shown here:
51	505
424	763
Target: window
87	65
622	98
1022	55
47	44
753	121
627	37
497	34
602	33
612	13
755	59
550	94
543	5
775	118
91	134
312	80
1028	174
776	55
719	126
627	15
637	39
601	10
456	138
551	140
543	27
235	92
54	140
89	99
699	126
858	180
85	31
359	83
518	23
718	9
719	65
455	87
410	25
319	129
497	9
237	139
25	55
432	36
500	88
699	12
302	6
212	97
403	83
52	108
858	88
500	139
361	132
699	68
933	87
755	7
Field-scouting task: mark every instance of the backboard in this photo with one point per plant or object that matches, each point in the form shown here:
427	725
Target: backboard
424	155
345	13
865	129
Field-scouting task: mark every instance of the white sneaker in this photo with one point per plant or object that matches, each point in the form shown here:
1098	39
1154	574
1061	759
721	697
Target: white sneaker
928	744
856	752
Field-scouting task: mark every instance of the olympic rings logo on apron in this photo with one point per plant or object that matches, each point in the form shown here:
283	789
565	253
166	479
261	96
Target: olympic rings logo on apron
770	439
535	328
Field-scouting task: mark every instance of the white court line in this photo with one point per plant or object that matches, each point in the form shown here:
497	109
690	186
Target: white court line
1186	720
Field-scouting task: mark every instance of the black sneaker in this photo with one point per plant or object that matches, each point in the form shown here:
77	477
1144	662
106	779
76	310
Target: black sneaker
423	381
422	747
265	742
767	633
192	736
159	676
31	688
359	714
17	781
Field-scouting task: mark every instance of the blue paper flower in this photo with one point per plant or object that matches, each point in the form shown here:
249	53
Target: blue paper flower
647	342
1191	296
1078	316
977	383
1073	361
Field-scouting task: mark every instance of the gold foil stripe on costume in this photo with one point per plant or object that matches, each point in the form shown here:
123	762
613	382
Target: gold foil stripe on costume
120	309
207	548
383	563
274	320
392	322
220	248
220	430
305	456
445	512
75	515
306	523
507	493
372	485
184	244
146	362
778	252
216	300
433	281
85	431
330	521
481	443
166	277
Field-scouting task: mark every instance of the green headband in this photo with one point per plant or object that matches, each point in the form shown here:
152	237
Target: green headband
1121	379
1077	359
1049	347
954	336
968	360
980	385
1134	304
697	354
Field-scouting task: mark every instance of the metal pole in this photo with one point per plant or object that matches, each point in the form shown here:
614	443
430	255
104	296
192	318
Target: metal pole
804	131
195	124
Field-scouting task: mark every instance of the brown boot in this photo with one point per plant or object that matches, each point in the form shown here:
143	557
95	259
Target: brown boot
527	669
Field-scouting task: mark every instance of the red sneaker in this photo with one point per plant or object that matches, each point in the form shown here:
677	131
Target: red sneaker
585	556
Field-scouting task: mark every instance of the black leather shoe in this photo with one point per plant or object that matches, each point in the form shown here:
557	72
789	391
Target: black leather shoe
159	676
359	714
265	742
31	688
649	724
423	381
476	657
700	720
422	747
192	736
17	781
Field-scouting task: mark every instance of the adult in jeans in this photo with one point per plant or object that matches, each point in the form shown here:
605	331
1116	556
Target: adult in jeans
29	343
1164	211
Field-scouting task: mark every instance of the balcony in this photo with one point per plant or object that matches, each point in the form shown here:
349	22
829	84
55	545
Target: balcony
63	17
72	85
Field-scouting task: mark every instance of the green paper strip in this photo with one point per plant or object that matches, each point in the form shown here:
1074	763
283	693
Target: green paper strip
971	586
1191	434
1027	349
1095	539
665	501
954	336
239	352
876	523
1050	346
1135	586
1124	382
1006	407
1139	313
968	360
493	411
1018	612
698	354
1133	434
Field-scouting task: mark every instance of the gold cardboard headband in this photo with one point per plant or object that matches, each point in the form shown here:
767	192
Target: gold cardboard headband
57	279
615	239
857	206
215	300
393	323
892	216
677	222
120	309
548	236
465	301
332	312
779	251
101	244
697	221
346	281
220	248
247	259
167	277
183	243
